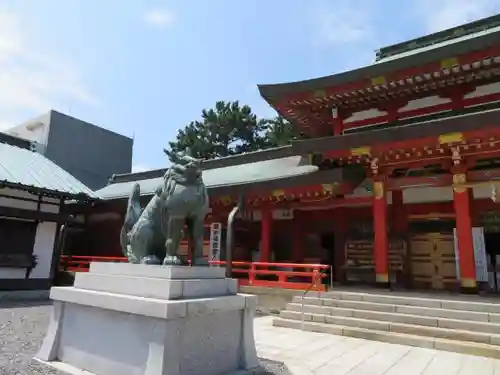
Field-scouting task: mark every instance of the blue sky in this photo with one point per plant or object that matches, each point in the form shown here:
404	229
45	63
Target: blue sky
147	68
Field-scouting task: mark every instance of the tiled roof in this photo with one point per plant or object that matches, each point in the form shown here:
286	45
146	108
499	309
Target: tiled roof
235	175
441	44
454	34
29	169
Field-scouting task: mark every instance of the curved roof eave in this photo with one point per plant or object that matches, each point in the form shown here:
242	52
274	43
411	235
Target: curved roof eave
422	56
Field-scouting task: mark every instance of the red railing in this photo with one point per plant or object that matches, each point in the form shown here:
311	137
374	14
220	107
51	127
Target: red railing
296	276
299	276
79	263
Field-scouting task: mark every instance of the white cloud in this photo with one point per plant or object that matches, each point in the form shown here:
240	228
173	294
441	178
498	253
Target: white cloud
33	80
140	168
443	14
346	22
159	18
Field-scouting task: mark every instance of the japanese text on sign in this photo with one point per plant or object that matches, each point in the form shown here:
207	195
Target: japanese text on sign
215	240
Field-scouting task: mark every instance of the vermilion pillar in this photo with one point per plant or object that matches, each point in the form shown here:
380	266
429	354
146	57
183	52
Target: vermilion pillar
338	125
467	265
265	235
381	241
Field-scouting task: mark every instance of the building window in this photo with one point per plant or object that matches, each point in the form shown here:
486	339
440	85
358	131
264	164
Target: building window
17	240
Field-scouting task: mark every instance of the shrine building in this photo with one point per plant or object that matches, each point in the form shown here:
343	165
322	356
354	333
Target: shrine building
392	183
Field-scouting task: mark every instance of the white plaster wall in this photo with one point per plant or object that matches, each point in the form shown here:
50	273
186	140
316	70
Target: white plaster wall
428	194
44	248
35	131
428	101
278	214
364	115
12	273
45	235
440	194
491	88
425	102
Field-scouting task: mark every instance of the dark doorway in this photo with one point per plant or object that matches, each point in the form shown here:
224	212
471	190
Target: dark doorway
492	244
328	243
17	239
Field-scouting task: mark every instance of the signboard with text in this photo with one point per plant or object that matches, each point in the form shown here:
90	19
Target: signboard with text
215	240
479	254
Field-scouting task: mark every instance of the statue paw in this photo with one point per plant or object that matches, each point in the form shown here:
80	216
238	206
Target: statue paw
172	260
200	262
150	259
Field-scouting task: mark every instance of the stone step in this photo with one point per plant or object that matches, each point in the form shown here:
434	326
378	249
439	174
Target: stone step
156	287
162	272
452	313
396	317
429	302
414	329
472	348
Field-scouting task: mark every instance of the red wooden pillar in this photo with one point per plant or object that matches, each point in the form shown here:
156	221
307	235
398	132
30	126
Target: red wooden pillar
467	264
297	236
380	226
338	125
265	234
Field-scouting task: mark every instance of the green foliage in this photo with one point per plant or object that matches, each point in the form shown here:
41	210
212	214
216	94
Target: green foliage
279	132
230	128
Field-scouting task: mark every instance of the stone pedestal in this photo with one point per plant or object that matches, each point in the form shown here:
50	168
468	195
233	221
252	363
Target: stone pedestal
151	320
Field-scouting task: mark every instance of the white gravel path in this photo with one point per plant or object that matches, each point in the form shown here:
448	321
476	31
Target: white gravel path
22	328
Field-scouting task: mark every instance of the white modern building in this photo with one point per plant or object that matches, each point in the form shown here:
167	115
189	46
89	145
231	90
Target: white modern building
88	152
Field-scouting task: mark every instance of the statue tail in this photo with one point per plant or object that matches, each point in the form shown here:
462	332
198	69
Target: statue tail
133	213
124	242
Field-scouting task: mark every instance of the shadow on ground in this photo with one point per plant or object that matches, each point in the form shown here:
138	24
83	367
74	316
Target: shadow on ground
8	304
270	367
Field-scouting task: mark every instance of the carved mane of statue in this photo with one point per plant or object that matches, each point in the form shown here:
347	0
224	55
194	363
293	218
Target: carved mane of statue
154	233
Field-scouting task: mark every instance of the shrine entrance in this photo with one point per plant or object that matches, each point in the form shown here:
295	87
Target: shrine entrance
432	254
328	243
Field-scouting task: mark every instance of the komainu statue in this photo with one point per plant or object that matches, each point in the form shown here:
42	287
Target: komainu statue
154	233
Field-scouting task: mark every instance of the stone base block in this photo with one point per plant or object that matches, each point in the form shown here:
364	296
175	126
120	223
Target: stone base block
176	330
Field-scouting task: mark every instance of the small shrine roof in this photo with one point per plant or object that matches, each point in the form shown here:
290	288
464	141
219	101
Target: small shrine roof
234	176
24	168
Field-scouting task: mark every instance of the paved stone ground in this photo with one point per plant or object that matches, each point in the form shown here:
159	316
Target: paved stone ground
23	325
309	353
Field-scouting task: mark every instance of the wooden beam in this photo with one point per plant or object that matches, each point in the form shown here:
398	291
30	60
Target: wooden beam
45	192
20	213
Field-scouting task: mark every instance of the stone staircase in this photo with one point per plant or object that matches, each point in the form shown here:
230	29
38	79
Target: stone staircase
463	325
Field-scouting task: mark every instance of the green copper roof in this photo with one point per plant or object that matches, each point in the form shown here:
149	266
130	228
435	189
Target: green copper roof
444	43
29	169
234	175
452	35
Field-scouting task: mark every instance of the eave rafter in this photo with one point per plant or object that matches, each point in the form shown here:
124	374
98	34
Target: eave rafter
421	153
313	110
313	193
